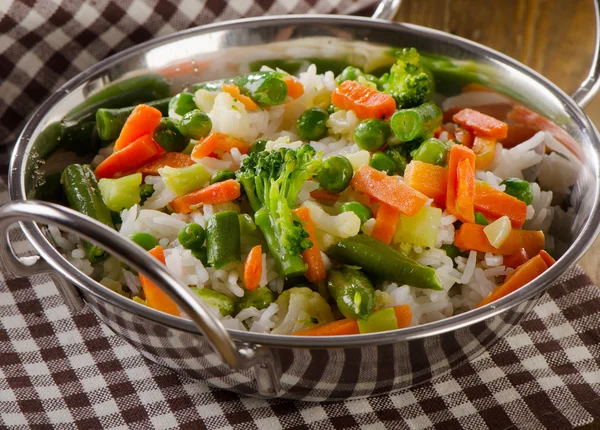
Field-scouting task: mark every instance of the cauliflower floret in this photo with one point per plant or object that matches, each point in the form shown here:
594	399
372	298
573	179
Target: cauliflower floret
359	159
300	308
205	99
344	225
343	122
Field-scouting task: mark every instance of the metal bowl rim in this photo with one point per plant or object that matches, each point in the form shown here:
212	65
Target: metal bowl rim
585	239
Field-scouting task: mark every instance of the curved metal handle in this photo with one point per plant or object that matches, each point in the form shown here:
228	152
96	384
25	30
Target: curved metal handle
387	9
591	85
125	250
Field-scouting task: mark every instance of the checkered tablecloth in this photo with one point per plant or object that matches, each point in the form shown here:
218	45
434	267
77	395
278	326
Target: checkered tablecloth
66	370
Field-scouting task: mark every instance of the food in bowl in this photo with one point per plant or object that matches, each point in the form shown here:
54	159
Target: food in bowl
325	205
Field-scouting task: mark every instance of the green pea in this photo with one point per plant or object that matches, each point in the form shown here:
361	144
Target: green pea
258	146
145	240
312	124
432	151
371	134
383	162
519	189
362	211
222	175
480	218
192	236
201	254
335	174
195	125
168	136
146	191
182	103
260	298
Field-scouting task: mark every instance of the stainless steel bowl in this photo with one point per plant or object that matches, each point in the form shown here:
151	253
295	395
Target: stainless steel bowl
313	369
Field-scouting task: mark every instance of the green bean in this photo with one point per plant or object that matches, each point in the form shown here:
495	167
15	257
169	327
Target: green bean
145	240
383	261
260	298
519	189
352	292
50	189
222	175
201	254
335	174
480	218
195	124
312	124
362	211
383	162
416	123
168	136
432	151
182	103
83	195
191	236
371	134
214	299
223	239
110	122
81	138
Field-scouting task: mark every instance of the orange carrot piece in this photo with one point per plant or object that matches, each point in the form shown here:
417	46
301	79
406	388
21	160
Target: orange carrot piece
134	155
471	237
324	196
388	190
335	328
234	92
386	222
294	87
253	268
364	101
516	259
464	137
521	115
460	190
141	121
155	297
429	179
403	315
311	256
520	277
547	258
168	159
495	110
517	133
218	141
481	124
493	204
484	149
220	192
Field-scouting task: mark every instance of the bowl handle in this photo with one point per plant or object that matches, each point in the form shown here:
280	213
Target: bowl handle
242	358
387	9
590	86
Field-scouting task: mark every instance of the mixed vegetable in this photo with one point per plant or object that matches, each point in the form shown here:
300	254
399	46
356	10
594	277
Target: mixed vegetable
339	227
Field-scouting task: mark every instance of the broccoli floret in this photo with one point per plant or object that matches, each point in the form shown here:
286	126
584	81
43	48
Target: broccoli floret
409	82
272	181
352	73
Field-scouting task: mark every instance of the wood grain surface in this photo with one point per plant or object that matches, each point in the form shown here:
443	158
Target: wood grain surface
553	37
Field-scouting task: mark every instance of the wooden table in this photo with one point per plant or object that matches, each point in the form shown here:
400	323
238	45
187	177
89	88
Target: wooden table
554	37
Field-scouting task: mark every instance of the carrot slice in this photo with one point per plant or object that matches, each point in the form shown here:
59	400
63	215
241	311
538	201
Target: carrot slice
168	159
484	149
253	268
335	328
521	276
516	259
234	92
464	137
324	196
481	124
388	190
311	256
364	101
493	204
471	236
134	155
403	315
547	258
220	192
155	297
294	87
460	190
517	134
218	141
386	222
141	121
429	179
